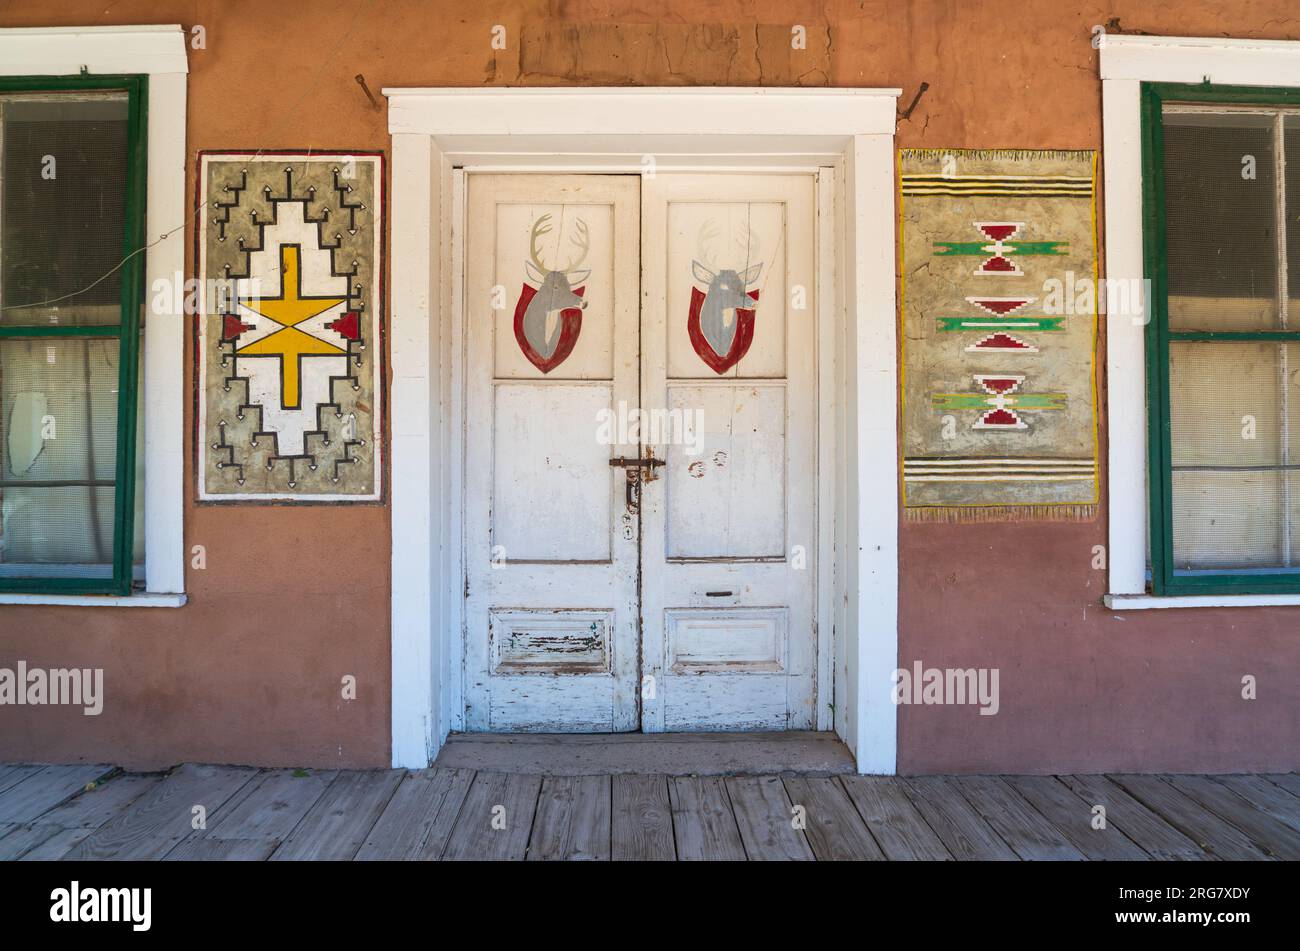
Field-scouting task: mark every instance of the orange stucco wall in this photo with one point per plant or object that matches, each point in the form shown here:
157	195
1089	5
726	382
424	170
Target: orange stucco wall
293	599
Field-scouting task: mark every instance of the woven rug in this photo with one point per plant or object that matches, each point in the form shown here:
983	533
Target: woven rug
999	266
289	328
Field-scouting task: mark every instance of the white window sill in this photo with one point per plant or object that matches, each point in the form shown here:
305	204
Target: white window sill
145	600
1144	602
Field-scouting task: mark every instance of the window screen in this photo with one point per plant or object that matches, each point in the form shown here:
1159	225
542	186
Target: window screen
1232	258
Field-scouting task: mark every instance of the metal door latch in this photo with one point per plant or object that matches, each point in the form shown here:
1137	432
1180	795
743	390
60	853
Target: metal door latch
633	466
632	462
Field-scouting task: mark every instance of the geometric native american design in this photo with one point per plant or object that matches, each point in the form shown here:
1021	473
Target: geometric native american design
288	339
972	318
1000	401
1001	253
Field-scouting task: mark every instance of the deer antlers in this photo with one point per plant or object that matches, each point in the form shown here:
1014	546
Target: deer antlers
746	240
704	251
581	240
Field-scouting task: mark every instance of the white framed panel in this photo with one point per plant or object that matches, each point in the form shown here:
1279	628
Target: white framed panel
645	130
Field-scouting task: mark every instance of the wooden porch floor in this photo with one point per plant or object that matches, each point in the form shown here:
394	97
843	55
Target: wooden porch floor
97	812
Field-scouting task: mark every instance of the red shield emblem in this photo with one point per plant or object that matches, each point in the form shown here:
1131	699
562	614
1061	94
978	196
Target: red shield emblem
559	349
744	334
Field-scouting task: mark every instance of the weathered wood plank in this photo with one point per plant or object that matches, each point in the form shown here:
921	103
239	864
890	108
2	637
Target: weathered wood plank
1074	818
419	818
1017	822
510	800
900	831
1152	833
17	840
57	845
94	807
341	818
572	821
156	822
46	789
17	774
834	829
642	820
270	807
78	818
704	827
1203	827
764	815
961	829
1266	797
1273	838
1288	781
222	850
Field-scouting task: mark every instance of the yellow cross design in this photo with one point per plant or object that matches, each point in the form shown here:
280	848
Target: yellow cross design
289	343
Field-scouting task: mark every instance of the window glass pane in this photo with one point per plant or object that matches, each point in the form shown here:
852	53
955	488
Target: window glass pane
1232	432
63	174
58	456
137	555
1224	407
1292	139
1227	520
1221	220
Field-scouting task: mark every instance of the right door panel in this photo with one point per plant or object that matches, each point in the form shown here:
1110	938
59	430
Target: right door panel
728	527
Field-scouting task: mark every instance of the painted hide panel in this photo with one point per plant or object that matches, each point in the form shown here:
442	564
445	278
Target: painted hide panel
288	344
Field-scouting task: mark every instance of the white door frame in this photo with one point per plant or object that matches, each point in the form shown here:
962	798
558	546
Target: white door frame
642	130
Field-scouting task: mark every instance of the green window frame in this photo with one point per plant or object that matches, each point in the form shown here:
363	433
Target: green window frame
127	331
1164	579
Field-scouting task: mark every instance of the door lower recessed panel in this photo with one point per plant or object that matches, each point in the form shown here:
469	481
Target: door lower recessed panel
558	643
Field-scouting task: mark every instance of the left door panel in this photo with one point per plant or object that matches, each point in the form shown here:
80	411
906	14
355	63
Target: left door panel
551	303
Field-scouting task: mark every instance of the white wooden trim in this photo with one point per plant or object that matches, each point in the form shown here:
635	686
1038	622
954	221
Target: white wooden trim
415	535
873	433
158	51
828	329
1142	602
98	601
1184	59
1127	62
1126	400
589	129
164	340
453	633
65	51
843	611
782	116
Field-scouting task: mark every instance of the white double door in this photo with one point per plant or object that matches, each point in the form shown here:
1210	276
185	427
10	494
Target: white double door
611	320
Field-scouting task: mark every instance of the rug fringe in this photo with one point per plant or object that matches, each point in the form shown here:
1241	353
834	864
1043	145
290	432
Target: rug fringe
1017	155
1001	513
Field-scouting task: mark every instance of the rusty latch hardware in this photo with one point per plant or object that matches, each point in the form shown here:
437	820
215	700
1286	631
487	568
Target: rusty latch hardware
632	467
632	462
633	490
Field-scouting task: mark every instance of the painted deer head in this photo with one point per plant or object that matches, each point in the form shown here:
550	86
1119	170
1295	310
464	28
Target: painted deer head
554	286
728	288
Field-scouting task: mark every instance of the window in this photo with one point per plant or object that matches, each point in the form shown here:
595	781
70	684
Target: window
1221	191
72	192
